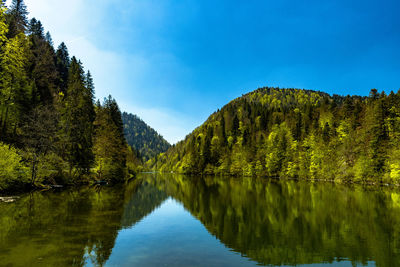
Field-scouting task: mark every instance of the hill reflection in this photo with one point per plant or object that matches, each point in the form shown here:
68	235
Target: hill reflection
289	222
271	222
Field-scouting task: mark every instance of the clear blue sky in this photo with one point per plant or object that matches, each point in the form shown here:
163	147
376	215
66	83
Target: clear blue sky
175	62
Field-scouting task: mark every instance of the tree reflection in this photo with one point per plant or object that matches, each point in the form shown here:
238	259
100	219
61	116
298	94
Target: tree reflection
290	222
272	222
71	228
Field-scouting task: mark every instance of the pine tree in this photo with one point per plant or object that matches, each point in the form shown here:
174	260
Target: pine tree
111	105
17	18
43	69
36	28
235	125
298	128
49	40
62	65
77	120
379	135
89	84
223	133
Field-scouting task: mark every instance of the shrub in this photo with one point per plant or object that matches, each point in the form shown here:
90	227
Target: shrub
13	174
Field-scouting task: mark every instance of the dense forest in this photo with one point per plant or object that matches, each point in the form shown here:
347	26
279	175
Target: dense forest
298	134
144	139
51	131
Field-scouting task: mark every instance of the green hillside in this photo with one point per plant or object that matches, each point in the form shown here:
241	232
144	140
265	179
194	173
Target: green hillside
295	133
51	131
142	137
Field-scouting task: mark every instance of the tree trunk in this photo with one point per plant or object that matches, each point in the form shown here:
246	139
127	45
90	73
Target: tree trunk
33	178
4	126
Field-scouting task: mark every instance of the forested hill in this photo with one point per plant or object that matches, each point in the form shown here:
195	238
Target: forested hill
51	131
142	137
295	133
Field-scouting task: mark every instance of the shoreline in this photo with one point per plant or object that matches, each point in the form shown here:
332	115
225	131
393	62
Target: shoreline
5	194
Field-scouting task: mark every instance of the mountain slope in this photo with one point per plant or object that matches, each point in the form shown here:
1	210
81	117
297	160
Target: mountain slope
142	137
295	133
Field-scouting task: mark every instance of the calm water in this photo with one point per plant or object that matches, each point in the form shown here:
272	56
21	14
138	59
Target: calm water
171	220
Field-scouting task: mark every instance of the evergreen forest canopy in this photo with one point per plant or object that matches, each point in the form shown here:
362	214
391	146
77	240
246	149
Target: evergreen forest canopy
144	139
298	134
51	131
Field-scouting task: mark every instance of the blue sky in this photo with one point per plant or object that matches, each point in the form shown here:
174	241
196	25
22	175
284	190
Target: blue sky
174	62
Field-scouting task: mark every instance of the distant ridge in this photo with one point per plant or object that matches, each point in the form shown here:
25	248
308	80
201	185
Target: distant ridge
142	137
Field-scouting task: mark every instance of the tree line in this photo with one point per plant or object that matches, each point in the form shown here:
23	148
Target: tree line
51	130
298	134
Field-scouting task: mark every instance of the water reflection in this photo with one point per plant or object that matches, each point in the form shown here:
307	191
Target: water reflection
270	222
56	229
71	228
291	223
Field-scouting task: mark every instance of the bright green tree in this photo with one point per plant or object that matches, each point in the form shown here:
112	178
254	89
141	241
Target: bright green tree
110	149
13	174
15	88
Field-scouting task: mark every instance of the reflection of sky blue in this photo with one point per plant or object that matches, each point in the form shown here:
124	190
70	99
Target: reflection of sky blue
185	59
170	236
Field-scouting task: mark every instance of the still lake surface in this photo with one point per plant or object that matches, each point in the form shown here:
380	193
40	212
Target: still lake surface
173	220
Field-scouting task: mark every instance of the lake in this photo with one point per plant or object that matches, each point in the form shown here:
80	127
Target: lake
174	220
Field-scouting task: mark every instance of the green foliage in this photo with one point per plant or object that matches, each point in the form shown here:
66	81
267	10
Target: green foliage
133	163
42	67
77	116
3	26
110	147
62	65
17	18
94	216
15	87
13	174
277	150
47	109
295	133
142	137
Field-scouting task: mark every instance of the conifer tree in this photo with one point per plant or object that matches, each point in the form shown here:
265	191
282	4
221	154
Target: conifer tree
77	120
89	83
378	133
62	65
49	40
36	28
111	105
17	18
43	69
